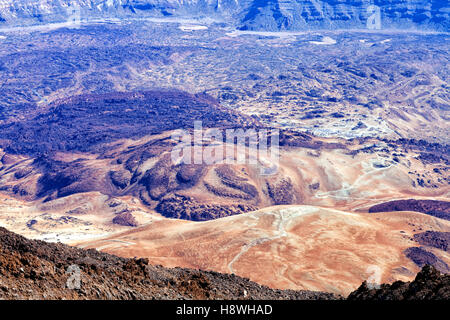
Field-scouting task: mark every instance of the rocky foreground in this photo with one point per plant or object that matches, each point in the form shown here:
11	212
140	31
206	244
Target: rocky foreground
429	284
31	269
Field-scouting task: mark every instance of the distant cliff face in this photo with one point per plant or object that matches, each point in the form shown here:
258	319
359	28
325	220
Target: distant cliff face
338	14
244	14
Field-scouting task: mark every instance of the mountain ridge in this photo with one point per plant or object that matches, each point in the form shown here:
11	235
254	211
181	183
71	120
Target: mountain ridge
267	15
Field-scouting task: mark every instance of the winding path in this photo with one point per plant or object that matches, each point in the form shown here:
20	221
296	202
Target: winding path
282	218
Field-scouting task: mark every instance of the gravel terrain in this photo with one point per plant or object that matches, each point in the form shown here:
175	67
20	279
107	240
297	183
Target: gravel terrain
31	269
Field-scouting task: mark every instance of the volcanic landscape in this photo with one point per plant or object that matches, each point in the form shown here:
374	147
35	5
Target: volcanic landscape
87	118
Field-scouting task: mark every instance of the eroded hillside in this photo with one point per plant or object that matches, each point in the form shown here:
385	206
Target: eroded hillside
38	270
295	247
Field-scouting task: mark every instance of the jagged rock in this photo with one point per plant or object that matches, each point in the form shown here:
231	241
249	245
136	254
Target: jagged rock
282	192
440	240
436	208
120	178
421	257
125	219
187	208
429	284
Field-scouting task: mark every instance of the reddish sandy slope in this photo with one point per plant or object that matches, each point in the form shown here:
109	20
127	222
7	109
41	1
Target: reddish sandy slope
296	247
